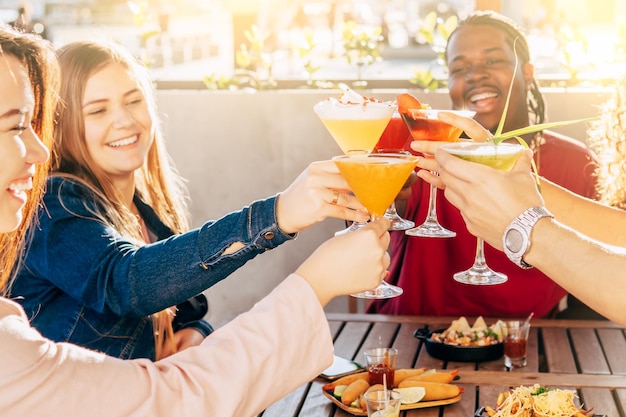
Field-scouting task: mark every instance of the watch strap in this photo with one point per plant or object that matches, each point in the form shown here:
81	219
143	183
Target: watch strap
523	225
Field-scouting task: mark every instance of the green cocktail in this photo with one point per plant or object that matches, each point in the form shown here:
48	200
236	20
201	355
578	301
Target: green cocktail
502	156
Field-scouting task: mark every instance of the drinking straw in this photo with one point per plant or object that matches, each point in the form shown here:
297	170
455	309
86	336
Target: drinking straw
385	386
530	316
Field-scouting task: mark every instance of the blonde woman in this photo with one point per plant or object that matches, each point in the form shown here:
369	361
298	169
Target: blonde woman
238	370
113	265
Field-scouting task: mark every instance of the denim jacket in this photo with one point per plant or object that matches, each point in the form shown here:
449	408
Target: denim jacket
82	282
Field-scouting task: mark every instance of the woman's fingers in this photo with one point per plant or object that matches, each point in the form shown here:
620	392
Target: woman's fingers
425	146
349	263
319	192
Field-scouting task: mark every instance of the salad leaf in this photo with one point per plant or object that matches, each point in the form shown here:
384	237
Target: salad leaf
540	390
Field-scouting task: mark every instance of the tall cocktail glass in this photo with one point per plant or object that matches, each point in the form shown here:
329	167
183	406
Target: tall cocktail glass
503	157
394	139
375	179
356	123
424	125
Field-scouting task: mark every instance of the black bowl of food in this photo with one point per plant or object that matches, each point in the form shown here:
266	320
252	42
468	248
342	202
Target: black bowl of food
459	351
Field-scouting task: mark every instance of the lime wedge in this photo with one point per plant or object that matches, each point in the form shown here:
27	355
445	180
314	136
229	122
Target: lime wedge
339	389
411	395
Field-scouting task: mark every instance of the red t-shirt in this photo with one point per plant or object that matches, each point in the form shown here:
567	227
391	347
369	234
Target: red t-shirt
423	267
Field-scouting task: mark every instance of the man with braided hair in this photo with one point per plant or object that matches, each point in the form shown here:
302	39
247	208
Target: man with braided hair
481	60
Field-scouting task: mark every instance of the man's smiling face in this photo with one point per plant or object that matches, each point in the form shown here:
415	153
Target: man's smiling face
481	64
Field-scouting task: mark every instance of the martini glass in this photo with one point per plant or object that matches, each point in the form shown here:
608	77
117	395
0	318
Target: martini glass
355	122
502	156
394	140
375	179
424	125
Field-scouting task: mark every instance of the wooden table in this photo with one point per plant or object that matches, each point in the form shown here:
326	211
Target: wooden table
586	356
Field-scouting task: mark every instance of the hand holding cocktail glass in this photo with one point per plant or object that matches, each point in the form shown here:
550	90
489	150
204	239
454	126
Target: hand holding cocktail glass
375	179
318	193
501	156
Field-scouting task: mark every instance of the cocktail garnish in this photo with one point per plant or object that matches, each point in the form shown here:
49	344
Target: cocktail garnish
500	137
407	103
349	96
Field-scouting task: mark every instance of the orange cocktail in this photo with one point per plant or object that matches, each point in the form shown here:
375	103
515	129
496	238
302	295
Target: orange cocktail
376	179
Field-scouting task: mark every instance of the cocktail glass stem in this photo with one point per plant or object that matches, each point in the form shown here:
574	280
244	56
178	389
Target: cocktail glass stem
480	273
384	289
431	226
397	222
352	228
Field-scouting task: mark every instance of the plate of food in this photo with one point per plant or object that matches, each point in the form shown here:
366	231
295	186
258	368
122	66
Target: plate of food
461	342
534	401
420	388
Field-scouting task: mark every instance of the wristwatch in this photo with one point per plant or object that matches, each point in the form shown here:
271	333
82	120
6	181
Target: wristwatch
516	237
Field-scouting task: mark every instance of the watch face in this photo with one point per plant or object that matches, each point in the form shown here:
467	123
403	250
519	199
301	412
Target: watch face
514	240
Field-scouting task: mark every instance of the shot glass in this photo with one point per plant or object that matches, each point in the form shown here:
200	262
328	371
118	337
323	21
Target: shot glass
381	363
515	343
383	403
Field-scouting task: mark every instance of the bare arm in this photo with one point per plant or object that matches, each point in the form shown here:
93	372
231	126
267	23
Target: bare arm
590	271
489	200
589	217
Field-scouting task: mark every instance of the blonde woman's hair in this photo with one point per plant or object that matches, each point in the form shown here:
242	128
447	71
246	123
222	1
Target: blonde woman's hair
156	182
37	57
607	137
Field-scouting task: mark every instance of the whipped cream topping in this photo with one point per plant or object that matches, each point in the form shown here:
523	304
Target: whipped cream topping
352	105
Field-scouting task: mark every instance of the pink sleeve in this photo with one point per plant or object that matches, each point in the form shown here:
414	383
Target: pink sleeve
239	370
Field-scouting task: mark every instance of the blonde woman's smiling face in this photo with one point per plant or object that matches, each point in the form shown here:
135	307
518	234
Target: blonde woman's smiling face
118	123
20	148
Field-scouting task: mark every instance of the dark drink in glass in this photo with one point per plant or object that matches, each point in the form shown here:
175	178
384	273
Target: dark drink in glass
381	365
376	374
515	343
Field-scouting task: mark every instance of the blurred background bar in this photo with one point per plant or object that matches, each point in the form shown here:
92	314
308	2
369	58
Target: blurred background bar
185	41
